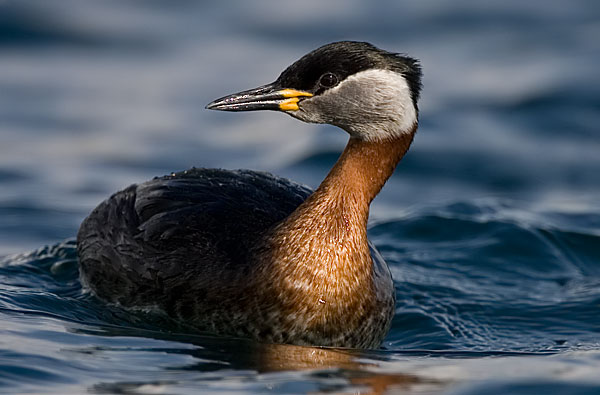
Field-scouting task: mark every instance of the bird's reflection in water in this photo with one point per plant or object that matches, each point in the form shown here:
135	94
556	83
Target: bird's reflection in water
229	361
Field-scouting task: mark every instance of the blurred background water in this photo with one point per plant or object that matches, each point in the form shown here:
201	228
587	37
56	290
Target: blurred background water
491	224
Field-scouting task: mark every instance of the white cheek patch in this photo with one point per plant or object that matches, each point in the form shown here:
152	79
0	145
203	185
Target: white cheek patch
377	103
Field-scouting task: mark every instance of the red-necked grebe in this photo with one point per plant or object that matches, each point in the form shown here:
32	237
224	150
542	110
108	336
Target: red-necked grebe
245	253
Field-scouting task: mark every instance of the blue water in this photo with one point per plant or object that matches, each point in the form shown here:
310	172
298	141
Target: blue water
491	224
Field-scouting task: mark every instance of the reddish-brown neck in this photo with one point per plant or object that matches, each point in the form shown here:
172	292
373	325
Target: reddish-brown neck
325	238
363	168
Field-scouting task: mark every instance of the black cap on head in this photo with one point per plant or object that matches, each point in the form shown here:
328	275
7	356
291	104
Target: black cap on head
324	67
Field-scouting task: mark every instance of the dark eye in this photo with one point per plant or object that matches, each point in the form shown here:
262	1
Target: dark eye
328	80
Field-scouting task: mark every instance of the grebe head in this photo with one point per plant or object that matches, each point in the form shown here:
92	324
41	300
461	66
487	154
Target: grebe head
369	92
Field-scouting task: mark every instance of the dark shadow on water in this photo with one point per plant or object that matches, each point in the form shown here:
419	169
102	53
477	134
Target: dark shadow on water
26	26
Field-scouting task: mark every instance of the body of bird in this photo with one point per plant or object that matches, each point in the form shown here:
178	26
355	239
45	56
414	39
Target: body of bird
248	254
